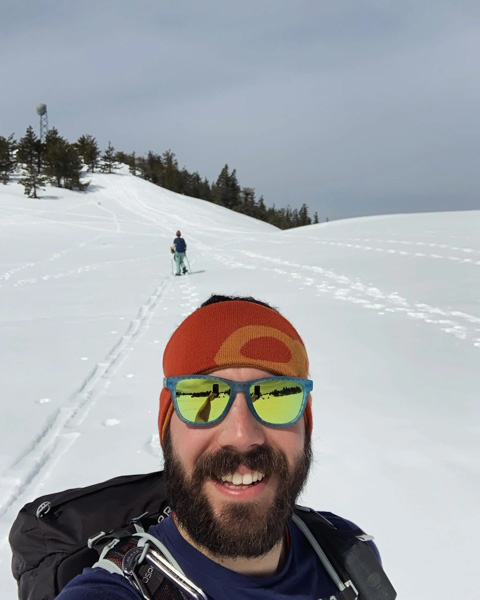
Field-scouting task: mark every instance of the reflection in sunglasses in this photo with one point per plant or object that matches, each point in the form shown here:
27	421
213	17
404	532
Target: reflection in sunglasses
203	413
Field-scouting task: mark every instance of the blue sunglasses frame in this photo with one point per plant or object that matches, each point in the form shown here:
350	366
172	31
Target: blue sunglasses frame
238	387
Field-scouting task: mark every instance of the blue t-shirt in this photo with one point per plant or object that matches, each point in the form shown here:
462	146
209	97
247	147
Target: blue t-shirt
302	577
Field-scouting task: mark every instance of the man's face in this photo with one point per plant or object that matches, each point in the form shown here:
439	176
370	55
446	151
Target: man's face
233	485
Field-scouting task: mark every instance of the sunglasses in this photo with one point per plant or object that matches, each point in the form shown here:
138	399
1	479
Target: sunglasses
204	400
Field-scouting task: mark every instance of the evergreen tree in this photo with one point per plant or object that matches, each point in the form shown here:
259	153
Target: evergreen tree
315	218
54	157
73	174
205	190
303	218
294	218
247	201
151	167
7	157
261	210
234	191
171	175
109	164
62	162
87	148
29	156
196	185
185	183
226	190
220	187
132	163
121	157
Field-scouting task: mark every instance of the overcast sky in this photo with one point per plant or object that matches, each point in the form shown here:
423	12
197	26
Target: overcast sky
354	107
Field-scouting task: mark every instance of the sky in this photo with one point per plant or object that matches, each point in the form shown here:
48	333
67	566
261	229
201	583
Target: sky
354	107
388	308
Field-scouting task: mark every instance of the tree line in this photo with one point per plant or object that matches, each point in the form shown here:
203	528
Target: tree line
56	161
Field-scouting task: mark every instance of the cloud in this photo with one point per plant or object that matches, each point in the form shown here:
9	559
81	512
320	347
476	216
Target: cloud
352	106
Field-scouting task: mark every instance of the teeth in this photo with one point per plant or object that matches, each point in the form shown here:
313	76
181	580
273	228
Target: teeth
237	479
246	479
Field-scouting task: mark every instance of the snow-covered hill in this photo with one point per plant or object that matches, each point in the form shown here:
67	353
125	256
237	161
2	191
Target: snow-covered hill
389	308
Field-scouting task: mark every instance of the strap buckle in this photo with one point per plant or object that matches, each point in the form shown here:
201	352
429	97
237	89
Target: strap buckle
141	564
349	592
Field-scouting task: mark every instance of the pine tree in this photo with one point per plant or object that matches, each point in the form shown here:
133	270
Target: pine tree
87	148
109	164
205	190
226	190
73	171
247	201
54	157
7	158
171	175
220	187
195	186
29	156
62	162
132	164
261	210
233	191
151	167
303	218
315	218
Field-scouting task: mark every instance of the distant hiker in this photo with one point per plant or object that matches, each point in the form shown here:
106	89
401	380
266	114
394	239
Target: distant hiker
179	247
234	473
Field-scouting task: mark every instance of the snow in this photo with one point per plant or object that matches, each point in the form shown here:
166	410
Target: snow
388	306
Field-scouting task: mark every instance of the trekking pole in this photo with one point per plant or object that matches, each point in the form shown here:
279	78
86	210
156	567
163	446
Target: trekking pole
188	263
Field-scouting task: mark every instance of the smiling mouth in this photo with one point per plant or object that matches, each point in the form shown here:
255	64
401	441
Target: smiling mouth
237	481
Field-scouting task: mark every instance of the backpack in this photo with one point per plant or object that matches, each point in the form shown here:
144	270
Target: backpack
180	245
58	535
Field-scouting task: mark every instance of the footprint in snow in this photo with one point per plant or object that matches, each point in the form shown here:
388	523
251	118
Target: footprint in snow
111	422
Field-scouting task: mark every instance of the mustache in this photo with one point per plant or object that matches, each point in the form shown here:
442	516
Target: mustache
226	460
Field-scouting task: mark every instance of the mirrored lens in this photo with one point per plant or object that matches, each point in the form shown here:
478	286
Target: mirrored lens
201	400
277	401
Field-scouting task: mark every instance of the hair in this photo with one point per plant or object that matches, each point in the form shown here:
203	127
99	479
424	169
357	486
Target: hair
214	298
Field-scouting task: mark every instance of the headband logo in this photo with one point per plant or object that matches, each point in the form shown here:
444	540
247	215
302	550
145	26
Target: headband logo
266	347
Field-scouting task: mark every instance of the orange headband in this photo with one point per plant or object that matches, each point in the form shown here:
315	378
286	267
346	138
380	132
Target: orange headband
234	333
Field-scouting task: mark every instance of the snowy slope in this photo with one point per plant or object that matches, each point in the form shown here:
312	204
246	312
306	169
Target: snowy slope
389	308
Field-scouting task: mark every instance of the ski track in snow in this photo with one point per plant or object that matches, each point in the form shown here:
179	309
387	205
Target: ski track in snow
469	256
63	274
58	435
461	325
8	276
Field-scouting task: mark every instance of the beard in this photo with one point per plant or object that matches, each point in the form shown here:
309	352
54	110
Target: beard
240	529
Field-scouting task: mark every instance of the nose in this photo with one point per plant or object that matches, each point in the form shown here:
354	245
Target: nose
240	429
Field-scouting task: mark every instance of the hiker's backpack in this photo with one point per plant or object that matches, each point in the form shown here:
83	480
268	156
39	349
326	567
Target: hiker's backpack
180	245
58	535
49	536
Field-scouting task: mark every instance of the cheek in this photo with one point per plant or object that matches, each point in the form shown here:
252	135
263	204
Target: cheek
188	442
290	440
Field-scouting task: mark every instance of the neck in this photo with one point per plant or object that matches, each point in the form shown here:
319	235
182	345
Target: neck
266	565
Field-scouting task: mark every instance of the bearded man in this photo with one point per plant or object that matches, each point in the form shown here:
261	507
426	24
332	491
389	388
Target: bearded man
235	424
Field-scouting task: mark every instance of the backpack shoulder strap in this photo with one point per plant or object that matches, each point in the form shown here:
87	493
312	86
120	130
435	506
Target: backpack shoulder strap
147	564
346	556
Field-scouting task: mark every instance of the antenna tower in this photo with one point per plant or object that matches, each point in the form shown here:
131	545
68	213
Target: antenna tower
42	112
